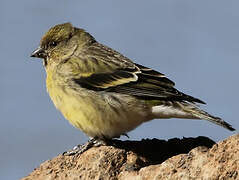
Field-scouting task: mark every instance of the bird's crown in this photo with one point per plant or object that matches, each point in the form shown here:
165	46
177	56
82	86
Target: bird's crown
57	34
63	32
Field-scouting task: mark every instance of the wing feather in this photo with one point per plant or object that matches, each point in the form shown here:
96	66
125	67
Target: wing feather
116	73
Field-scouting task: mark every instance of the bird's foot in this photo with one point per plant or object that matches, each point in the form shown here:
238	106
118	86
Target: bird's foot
79	149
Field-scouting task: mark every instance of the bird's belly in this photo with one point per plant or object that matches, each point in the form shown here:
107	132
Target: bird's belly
98	115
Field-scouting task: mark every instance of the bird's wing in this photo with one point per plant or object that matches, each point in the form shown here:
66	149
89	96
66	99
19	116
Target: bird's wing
116	73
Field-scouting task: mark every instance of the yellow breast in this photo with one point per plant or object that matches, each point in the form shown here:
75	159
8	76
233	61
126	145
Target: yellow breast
95	114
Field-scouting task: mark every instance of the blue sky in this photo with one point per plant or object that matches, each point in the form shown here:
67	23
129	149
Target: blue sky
195	43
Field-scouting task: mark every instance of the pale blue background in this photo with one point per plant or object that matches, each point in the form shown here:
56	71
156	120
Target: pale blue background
195	43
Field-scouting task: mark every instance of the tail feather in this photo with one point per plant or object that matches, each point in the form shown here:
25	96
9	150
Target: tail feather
200	114
169	109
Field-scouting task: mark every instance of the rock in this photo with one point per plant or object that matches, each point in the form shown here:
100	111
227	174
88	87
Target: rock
187	158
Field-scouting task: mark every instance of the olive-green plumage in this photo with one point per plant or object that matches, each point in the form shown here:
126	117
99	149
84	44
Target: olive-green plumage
104	93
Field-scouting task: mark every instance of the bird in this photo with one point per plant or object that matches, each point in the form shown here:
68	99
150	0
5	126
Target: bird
105	94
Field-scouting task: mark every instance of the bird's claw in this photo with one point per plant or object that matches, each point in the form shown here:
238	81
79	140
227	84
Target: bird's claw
79	149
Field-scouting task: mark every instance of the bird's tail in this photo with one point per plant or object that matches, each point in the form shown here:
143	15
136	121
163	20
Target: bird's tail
188	111
200	114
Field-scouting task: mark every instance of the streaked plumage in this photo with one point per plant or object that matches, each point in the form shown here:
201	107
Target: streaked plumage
104	93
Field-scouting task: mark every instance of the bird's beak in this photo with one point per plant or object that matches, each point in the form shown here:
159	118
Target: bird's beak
39	53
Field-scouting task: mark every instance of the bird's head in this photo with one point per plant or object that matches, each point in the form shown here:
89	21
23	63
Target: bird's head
60	42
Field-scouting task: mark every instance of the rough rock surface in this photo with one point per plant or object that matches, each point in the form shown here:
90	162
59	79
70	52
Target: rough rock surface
187	158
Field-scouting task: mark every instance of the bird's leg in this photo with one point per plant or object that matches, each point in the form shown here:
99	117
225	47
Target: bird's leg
79	149
125	135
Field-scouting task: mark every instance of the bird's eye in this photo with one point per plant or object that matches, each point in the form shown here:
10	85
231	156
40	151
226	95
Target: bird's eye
53	44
